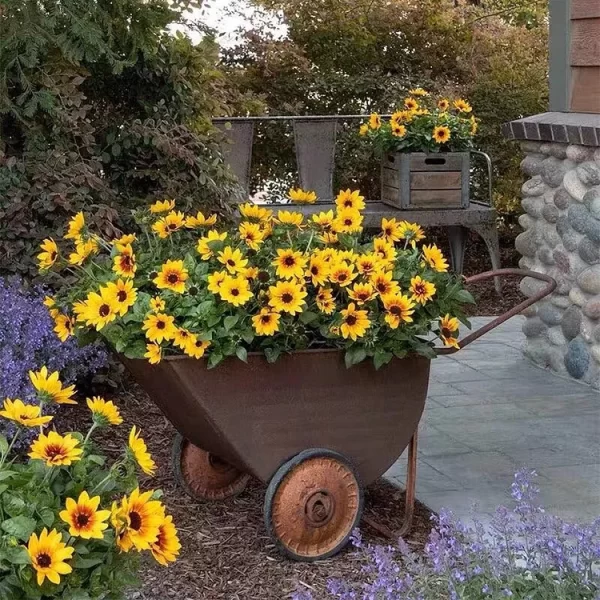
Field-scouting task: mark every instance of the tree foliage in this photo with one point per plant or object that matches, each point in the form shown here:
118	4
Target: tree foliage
99	105
357	56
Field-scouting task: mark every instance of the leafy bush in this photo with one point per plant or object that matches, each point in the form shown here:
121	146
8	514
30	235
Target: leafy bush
526	554
275	283
28	341
99	105
59	535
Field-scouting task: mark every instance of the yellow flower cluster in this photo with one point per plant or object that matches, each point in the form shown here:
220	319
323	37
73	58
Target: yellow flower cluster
139	521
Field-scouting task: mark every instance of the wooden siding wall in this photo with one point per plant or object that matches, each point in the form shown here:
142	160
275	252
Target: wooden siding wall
585	56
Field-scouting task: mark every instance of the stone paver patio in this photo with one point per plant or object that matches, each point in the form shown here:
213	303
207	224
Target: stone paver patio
490	412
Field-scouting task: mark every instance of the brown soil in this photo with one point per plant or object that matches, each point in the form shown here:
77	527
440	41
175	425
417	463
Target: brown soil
226	552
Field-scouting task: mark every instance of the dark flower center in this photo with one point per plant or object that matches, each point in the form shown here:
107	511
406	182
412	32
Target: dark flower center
419	289
235	292
348	222
382	287
446	332
53	255
342	276
122	295
388	231
231	262
104	310
82	519
52	451
173	278
265	319
348	203
287	298
314	270
183	334
43	560
160	325
363	295
263	276
172	226
198	344
395	310
289	261
135	520
351	320
126	261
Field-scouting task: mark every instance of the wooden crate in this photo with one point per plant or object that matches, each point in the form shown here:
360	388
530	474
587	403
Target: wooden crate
426	181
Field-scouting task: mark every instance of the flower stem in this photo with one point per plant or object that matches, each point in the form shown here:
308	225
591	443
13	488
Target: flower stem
10	447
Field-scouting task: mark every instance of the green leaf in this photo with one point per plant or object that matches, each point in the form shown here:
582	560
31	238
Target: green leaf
87	563
272	354
46	515
382	358
248	336
308	317
230	322
214	359
17	555
21	527
354	356
464	296
242	353
6	474
3	445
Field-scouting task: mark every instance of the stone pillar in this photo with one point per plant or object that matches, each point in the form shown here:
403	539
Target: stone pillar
561	204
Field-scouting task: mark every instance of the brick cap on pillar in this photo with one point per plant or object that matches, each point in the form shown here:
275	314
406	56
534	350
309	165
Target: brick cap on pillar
561	127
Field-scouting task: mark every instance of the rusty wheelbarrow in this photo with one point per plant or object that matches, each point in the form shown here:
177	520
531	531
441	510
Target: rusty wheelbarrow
313	430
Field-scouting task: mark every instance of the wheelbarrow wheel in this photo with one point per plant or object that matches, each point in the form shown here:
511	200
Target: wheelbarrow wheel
205	476
312	504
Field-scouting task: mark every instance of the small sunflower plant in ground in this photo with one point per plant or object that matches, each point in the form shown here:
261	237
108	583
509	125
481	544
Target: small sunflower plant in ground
71	525
423	124
274	282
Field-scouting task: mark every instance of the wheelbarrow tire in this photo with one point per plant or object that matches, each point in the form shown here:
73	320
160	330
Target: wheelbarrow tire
312	504
204	476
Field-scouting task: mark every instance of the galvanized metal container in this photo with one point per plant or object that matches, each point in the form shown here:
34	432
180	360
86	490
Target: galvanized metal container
419	180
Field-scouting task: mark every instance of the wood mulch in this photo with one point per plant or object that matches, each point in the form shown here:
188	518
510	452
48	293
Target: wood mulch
226	551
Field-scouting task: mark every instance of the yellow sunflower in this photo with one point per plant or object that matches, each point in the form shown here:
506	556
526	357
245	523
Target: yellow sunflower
399	309
254	212
325	301
361	293
289	264
124	263
354	322
162	206
159	327
23	414
390	228
167	546
384	250
462	106
251	234
192	222
287	217
99	309
63	326
474	125
318	270
212	238
435	259
251	273
153	353
300	196
49	253
441	134
348	220
287	296
411	104
83	517
329	237
421	289
384	284
215	280
104	412
56	450
401	116
172	276
157	304
122	293
82	251
182	337
342	273
236	290
374	121
196	348
411	232
266	322
418	92
76	225
125	239
48	555
233	260
448	329
350	200
443	104
324	220
49	387
139	452
138	520
363	129
397	129
367	263
169	224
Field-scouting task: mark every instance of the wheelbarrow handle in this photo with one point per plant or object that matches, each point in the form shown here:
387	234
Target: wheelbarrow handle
507	315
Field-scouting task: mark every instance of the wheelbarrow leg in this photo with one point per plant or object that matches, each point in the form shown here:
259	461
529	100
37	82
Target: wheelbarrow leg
411	486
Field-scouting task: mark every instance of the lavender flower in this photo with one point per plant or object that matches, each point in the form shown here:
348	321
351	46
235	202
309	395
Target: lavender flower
525	554
28	342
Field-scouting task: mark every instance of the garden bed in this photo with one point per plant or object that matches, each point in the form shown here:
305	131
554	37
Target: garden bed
226	552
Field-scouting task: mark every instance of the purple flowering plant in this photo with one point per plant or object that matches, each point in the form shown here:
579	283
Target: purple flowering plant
524	554
28	342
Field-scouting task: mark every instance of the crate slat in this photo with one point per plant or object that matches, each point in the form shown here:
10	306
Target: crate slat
444	180
419	161
435	198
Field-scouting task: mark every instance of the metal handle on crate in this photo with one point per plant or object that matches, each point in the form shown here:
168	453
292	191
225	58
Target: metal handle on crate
512	312
488	162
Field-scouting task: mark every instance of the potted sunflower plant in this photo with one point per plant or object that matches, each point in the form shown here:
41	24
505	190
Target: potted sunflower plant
424	147
72	524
